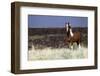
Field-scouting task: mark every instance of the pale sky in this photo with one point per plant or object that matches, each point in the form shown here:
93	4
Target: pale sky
42	21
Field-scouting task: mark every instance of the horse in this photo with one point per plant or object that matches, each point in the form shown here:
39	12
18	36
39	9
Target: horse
72	37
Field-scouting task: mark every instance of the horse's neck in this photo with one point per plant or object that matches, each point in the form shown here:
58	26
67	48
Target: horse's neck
71	33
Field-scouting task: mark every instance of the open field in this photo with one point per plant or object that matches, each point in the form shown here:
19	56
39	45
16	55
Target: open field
49	43
62	53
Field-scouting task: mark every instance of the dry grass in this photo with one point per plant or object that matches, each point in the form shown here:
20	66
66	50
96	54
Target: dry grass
60	53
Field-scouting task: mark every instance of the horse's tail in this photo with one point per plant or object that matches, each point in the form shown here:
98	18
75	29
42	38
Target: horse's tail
80	30
80	37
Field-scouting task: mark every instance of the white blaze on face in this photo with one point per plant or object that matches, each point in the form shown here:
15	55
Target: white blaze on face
71	33
67	27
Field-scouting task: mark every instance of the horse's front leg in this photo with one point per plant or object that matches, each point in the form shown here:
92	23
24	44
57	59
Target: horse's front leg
71	45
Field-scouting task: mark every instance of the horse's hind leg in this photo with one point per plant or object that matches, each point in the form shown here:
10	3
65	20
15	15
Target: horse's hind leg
79	46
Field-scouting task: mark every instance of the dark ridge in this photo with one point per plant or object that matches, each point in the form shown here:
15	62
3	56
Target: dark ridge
42	31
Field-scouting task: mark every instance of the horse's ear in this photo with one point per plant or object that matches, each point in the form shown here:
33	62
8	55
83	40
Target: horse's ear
68	23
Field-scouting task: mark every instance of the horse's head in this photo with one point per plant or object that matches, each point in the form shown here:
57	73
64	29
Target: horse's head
68	28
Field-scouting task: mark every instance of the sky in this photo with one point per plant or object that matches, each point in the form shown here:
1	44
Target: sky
43	21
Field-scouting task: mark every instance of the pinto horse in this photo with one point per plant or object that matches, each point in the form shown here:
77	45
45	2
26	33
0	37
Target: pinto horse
72	37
